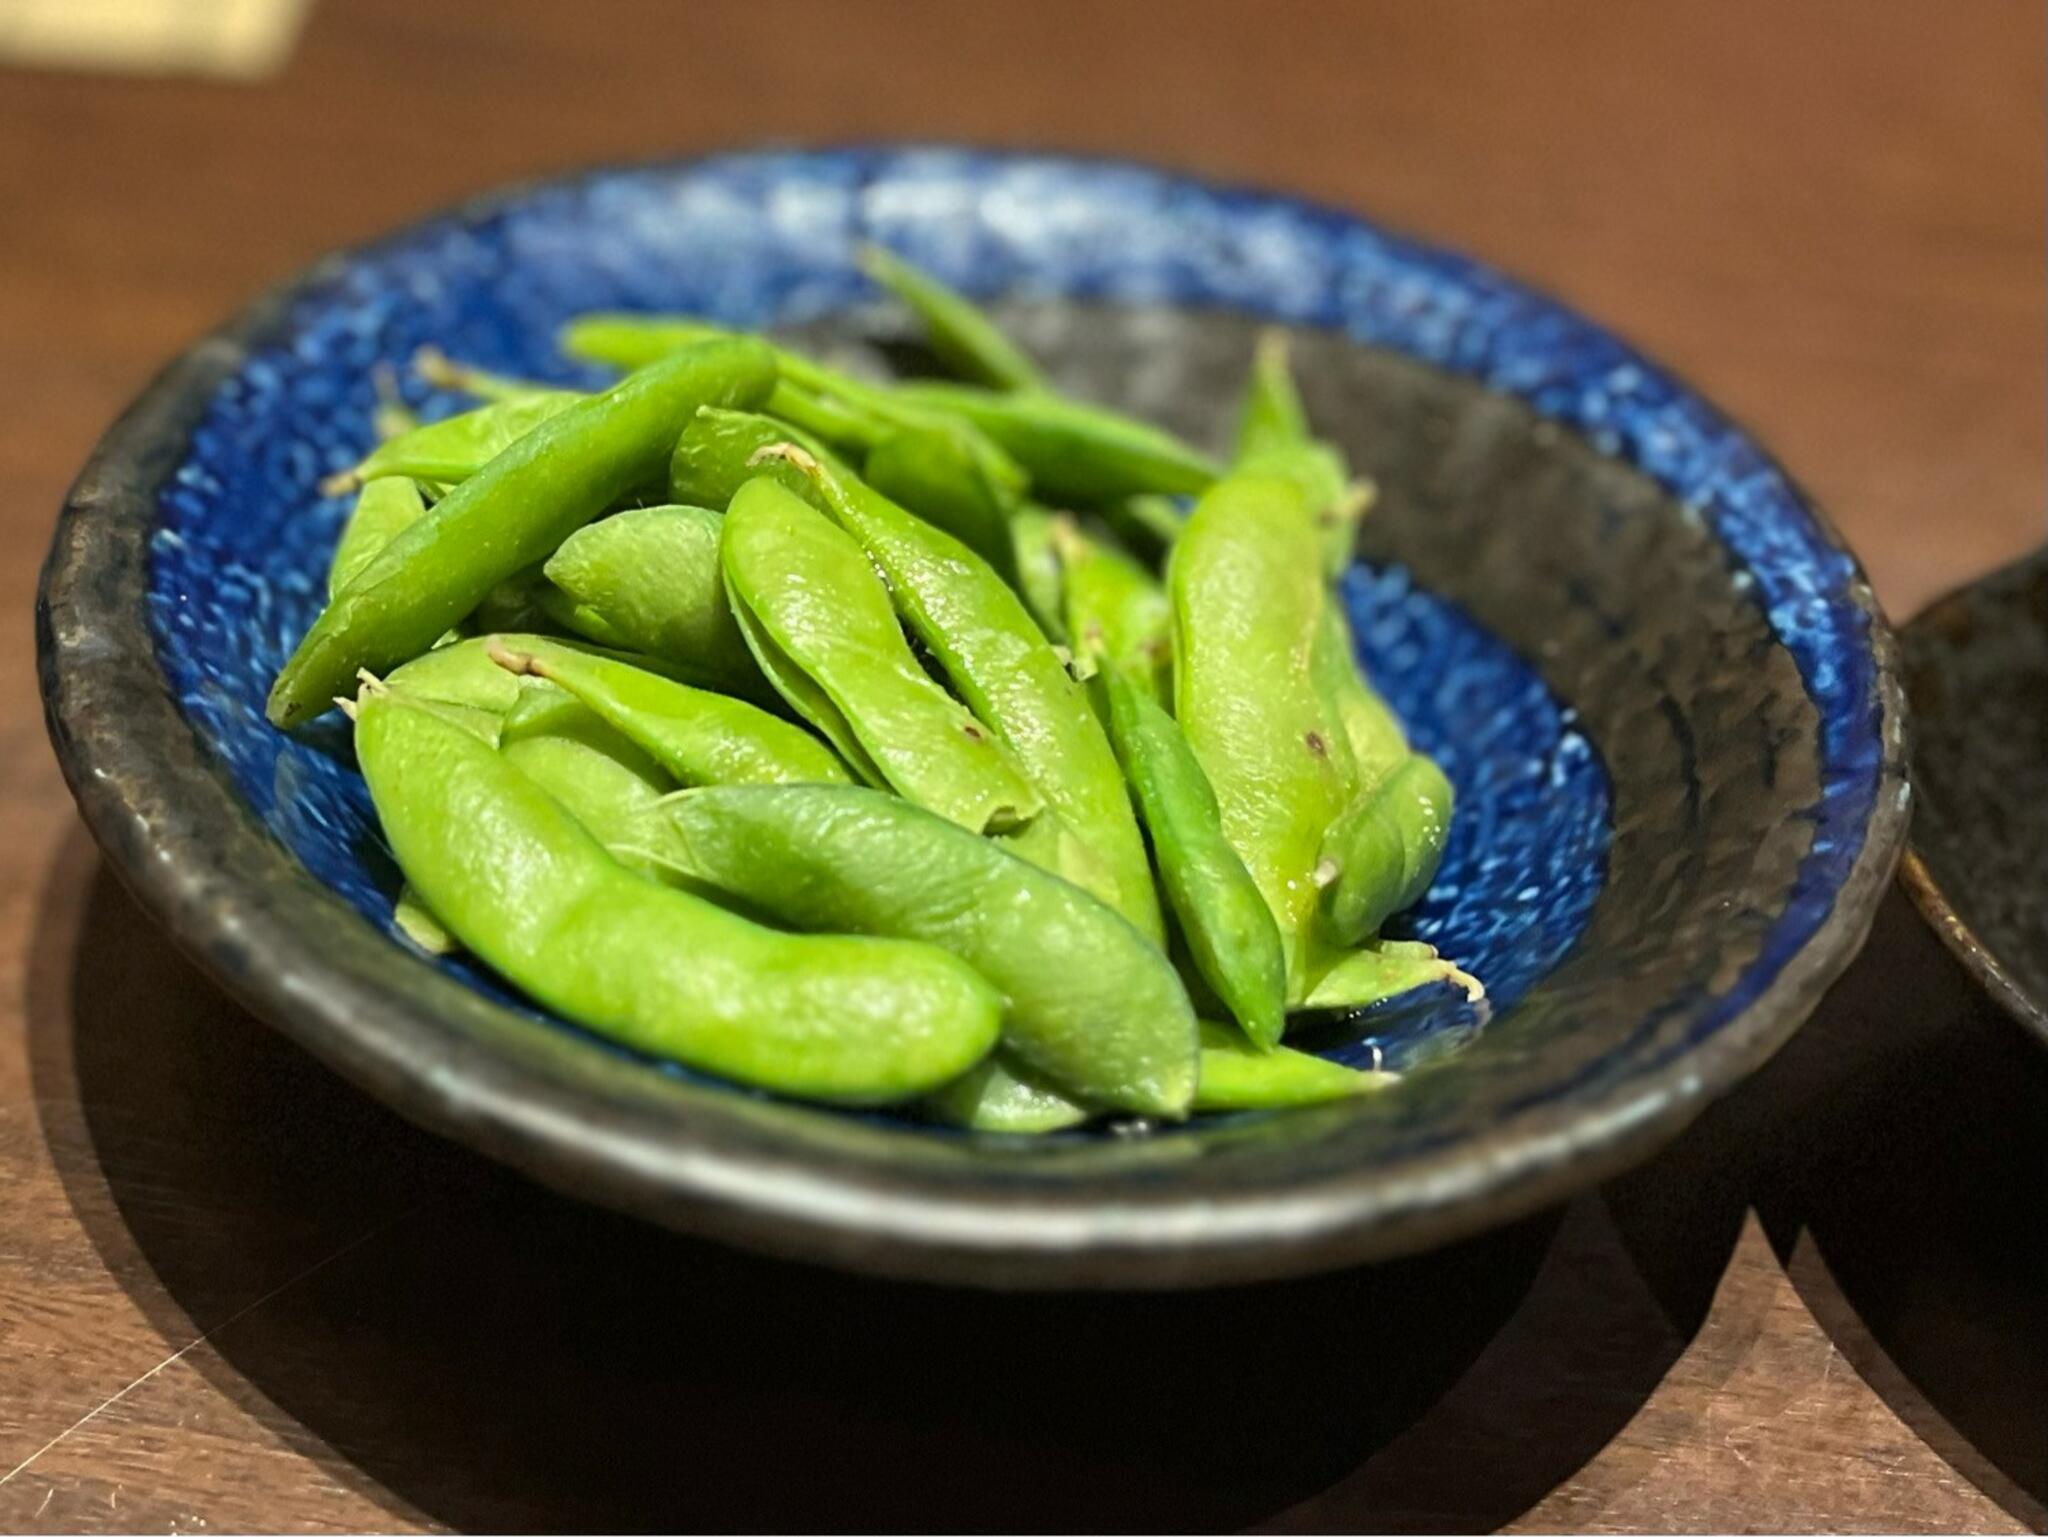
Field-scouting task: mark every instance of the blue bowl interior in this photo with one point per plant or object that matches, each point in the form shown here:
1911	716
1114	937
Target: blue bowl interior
238	563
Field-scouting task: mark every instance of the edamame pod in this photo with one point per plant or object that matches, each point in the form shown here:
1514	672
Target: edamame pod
456	447
627	340
577	619
1237	1075
1073	452
601	779
520	602
445	373
1273	438
1094	1007
813	591
1001	665
717	453
1385	969
996	1095
1225	921
847	1019
964	339
410	917
933	473
391	416
623	339
1147	525
1247	589
1382	853
462	672
384	509
824	416
827	404
651	576
697	736
1116	610
1369	742
860	412
804	696
1038	580
1068	450
510	515
1271	416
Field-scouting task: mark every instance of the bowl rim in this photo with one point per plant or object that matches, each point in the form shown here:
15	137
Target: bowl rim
237	902
1917	876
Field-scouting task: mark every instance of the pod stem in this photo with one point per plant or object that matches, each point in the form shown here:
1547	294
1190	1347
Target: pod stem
521	664
793	453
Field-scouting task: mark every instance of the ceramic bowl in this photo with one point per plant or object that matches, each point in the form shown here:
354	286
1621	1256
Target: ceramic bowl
1657	679
1976	668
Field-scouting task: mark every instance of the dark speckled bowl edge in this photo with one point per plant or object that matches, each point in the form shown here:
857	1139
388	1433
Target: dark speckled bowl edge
1976	957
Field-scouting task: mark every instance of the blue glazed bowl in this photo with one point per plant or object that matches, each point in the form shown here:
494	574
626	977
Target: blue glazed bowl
1660	684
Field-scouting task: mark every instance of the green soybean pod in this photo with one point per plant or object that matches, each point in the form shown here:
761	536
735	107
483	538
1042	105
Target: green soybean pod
964	338
622	339
1247	590
1073	452
600	778
1116	609
1147	525
409	916
1093	1006
536	710
718	452
809	395
812	589
826	417
935	473
651	577
997	1095
384	509
1369	741
509	516
578	619
1380	855
1002	666
697	736
1273	438
1224	920
847	1019
1039	580
456	447
1384	969
390	416
713	458
519	602
825	403
628	340
1239	1075
436	368
1271	415
811	702
462	672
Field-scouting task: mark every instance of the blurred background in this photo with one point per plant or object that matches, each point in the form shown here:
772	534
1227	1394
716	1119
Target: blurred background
218	1303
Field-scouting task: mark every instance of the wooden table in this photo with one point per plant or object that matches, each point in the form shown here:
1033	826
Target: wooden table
234	1294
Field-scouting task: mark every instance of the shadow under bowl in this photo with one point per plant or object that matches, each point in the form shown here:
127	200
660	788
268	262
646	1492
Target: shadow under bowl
1657	680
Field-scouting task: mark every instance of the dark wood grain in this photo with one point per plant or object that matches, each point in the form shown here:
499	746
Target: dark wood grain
235	1295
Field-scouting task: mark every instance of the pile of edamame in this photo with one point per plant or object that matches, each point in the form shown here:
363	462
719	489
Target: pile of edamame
947	744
